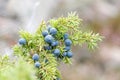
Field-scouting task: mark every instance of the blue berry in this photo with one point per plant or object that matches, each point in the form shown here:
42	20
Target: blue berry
55	43
65	54
45	33
58	79
49	39
53	31
66	36
69	54
56	52
22	41
37	64
68	42
35	57
47	47
48	28
67	48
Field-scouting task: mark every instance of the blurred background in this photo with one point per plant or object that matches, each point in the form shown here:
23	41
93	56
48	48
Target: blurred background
101	16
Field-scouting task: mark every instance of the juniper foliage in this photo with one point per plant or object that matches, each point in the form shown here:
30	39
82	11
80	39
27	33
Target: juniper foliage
35	44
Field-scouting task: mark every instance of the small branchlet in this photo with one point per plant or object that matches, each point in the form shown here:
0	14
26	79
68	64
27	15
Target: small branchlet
52	43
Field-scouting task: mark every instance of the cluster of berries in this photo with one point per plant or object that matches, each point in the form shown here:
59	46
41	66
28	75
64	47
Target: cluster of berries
49	37
68	44
51	45
35	57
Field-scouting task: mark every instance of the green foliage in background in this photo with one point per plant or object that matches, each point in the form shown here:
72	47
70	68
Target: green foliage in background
35	43
16	70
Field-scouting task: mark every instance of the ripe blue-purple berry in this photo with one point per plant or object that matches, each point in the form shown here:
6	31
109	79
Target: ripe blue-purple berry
49	39
66	36
53	31
48	28
22	41
55	43
67	48
35	57
47	47
37	64
69	54
56	52
58	79
65	54
45	33
68	42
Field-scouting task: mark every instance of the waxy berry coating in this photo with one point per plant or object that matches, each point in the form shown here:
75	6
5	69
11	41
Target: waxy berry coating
47	47
53	31
45	33
68	42
22	41
69	54
37	64
48	28
58	79
35	57
66	36
65	54
55	43
67	48
49	39
56	52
